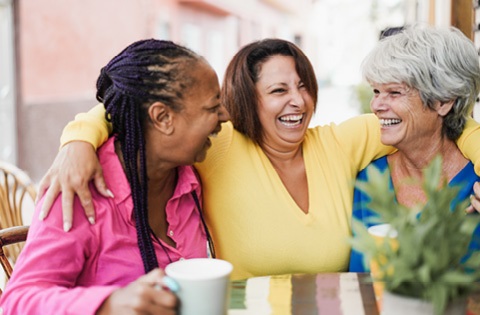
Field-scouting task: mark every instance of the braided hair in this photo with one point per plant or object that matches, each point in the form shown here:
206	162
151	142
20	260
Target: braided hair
143	73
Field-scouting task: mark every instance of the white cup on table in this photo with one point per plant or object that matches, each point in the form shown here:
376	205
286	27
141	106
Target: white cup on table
203	285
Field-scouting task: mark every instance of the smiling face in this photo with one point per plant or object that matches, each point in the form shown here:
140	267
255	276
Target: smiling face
201	115
181	136
405	122
285	106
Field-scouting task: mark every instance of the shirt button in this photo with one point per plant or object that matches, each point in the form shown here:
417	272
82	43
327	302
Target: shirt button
171	233
181	258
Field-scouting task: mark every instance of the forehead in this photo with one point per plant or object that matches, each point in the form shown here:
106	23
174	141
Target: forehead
277	68
204	84
391	85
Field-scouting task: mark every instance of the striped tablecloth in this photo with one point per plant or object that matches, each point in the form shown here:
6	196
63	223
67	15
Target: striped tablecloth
330	293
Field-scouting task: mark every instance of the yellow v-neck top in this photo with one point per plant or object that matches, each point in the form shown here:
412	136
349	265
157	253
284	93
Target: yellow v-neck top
254	222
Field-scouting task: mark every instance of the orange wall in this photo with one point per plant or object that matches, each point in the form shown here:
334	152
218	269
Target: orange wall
61	46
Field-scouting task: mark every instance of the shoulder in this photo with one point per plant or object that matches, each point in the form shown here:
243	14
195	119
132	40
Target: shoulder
381	164
350	127
224	149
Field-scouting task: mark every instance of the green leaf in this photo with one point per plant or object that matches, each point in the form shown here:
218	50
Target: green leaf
433	239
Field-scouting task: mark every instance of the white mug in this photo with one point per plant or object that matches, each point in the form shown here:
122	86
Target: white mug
203	285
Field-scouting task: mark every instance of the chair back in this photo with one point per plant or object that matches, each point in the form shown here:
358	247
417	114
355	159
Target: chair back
15	188
9	237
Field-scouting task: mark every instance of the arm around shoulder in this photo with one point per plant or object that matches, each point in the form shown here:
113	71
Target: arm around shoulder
91	127
469	143
360	138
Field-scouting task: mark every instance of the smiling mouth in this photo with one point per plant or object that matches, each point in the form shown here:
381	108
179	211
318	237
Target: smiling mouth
389	122
291	120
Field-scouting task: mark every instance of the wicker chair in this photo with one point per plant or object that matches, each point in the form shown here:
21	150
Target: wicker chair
10	236
15	188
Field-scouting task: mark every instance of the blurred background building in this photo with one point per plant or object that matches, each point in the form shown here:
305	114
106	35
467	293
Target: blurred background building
51	51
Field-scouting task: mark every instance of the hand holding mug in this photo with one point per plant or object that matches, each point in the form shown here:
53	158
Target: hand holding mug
146	295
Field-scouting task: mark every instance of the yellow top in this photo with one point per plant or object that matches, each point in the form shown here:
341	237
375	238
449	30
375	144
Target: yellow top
254	222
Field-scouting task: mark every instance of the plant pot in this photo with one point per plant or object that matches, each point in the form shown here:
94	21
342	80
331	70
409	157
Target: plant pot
394	304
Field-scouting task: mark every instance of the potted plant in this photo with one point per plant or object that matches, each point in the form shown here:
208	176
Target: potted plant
430	259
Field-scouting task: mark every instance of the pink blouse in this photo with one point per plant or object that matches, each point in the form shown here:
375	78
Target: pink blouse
74	272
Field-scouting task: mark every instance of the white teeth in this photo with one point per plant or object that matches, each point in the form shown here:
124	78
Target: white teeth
291	120
213	135
389	122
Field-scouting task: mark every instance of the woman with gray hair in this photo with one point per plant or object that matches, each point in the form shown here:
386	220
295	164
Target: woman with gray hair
277	193
425	81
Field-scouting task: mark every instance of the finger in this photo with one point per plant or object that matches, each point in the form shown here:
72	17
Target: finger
67	209
163	298
157	279
153	276
49	199
99	182
42	187
476	189
85	197
470	209
153	298
475	203
164	311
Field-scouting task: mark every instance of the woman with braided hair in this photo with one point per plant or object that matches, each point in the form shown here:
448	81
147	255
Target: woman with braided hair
163	102
277	194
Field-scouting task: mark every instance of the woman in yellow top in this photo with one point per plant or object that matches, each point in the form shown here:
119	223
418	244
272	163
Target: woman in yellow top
277	194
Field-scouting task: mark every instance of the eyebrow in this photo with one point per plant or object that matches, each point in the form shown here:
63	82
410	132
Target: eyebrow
215	99
395	86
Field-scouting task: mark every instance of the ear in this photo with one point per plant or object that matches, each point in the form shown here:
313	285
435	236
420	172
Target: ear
444	108
161	117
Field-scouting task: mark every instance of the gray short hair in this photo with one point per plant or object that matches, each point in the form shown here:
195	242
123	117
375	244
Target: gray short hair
441	63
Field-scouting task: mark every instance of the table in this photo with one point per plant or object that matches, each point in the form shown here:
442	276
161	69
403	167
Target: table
327	293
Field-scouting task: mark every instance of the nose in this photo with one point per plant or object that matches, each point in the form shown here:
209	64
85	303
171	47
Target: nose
298	98
223	114
377	104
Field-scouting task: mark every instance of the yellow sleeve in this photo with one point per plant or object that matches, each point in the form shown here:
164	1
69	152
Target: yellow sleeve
91	127
360	138
469	143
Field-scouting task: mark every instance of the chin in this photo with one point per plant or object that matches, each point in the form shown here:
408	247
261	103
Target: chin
201	157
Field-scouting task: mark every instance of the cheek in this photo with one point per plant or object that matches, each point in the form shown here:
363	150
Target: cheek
310	103
206	124
272	107
263	112
307	98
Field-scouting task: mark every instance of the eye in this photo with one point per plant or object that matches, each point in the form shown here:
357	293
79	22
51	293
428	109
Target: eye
395	93
278	91
301	85
214	109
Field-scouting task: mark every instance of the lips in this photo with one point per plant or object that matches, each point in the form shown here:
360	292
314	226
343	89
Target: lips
208	143
215	132
385	122
291	120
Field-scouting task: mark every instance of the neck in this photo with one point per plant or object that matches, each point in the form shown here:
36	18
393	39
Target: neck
412	160
161	187
161	182
281	159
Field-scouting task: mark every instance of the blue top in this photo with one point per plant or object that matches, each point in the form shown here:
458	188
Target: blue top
465	178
